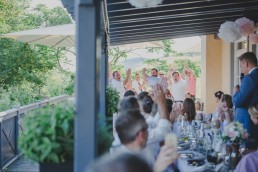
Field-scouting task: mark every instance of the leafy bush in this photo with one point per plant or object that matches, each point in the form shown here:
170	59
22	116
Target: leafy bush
49	134
112	99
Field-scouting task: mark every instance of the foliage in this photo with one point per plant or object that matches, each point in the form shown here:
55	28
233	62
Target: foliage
25	70
193	65
104	138
166	48
49	134
112	99
162	65
115	54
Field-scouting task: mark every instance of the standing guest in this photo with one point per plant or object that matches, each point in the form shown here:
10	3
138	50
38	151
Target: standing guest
153	79
191	81
137	84
247	94
178	87
118	83
249	162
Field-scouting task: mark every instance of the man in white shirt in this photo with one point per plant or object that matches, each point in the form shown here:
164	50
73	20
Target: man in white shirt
118	83
137	84
178	87
153	79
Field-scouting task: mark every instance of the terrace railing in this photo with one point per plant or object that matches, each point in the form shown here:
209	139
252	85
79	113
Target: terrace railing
10	126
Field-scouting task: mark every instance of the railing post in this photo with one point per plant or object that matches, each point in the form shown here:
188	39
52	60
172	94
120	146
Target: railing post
17	127
1	146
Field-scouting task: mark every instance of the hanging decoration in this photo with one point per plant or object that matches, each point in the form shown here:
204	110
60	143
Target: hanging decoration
145	3
246	26
229	31
253	38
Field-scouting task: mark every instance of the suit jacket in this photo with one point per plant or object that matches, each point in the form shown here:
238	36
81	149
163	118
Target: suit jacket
245	97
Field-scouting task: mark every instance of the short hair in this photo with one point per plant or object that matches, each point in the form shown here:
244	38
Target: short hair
189	109
155	69
175	73
218	94
128	125
129	93
228	99
141	95
114	73
250	57
128	103
147	104
123	162
169	104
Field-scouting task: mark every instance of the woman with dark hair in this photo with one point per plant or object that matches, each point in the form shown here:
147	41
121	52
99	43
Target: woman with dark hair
218	95
189	109
225	111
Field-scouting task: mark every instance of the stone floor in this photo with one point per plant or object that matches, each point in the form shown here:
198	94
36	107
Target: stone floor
23	165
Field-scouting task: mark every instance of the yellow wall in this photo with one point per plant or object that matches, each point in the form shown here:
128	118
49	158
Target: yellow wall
226	68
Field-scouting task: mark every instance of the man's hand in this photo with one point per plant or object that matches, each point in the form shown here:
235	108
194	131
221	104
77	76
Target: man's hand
168	154
236	88
144	70
128	72
158	94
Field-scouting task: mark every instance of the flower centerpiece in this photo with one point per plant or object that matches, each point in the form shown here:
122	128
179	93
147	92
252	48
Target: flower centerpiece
234	133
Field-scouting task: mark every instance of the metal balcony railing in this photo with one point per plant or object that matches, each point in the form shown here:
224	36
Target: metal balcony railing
10	126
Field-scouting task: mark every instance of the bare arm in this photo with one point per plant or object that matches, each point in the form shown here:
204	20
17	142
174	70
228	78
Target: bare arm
144	75
128	75
159	98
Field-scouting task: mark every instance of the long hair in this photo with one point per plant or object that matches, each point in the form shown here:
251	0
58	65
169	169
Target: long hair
228	99
189	109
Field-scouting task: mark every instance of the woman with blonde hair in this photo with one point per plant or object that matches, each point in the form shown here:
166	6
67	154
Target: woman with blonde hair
249	162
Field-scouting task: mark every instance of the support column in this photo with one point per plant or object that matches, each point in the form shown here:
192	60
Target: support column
88	47
211	70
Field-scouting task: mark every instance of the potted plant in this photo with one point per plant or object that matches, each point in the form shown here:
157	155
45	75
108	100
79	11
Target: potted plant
48	137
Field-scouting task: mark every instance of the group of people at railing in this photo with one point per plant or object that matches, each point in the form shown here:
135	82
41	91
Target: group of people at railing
145	118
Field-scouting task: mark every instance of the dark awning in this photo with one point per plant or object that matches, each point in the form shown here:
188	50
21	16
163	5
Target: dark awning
173	18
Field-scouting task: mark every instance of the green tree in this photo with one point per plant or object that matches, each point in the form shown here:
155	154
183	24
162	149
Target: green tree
165	46
26	69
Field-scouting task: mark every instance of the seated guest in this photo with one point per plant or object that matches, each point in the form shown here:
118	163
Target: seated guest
129	93
127	103
189	109
249	162
218	95
225	111
146	108
132	130
125	162
199	113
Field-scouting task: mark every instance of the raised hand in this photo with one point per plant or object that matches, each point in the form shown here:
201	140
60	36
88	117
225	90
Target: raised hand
128	72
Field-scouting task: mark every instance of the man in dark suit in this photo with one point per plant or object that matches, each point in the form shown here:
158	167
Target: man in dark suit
247	94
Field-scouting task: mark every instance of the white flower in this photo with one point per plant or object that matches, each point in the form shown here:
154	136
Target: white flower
229	31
